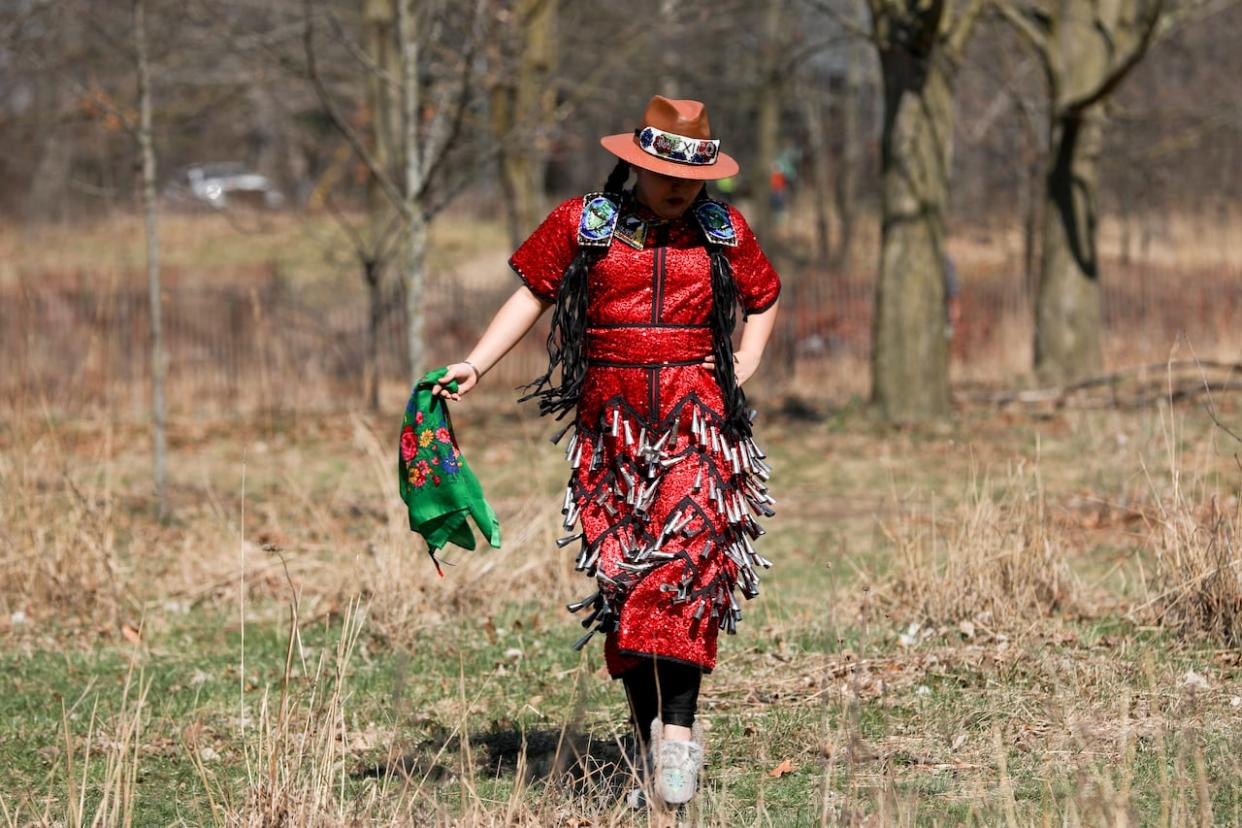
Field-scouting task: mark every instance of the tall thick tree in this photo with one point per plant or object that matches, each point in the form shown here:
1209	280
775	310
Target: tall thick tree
920	45
523	104
1087	47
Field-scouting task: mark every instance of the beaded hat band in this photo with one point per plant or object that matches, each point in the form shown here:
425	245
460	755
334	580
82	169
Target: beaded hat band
679	148
675	139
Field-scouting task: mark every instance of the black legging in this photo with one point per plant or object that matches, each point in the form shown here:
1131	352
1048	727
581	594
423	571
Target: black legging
666	688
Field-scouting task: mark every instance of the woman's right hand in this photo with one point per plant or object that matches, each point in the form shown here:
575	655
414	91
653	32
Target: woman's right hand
466	379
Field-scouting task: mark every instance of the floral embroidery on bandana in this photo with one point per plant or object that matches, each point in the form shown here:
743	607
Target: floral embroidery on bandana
428	452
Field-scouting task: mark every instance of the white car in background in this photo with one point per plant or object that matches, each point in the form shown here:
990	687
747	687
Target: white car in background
224	185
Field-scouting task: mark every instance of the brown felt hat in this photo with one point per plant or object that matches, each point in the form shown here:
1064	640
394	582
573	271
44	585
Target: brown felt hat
674	139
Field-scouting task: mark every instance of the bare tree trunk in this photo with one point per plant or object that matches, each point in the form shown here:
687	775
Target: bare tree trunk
522	105
372	271
847	172
1088	47
910	357
813	115
147	148
535	100
501	111
1068	313
669	53
385	115
767	120
1031	202
416	217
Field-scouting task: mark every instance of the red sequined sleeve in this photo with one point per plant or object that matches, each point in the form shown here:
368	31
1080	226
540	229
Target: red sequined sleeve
541	260
757	281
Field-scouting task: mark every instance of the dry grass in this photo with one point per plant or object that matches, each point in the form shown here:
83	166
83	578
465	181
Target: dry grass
58	550
1196	578
992	561
1047	706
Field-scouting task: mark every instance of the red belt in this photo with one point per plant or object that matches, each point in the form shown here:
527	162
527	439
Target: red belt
648	345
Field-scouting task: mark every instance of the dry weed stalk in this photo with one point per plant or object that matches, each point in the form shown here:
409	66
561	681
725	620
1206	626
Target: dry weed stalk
993	560
58	544
297	754
1196	540
1197	577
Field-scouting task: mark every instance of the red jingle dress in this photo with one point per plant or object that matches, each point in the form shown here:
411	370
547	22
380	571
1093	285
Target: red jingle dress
666	500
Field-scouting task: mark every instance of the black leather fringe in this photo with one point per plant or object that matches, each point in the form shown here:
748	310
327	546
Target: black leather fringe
567	338
723	321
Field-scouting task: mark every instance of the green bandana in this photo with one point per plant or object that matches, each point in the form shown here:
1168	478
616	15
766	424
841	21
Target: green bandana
436	484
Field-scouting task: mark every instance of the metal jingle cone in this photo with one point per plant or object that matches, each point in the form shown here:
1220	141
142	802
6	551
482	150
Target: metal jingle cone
561	543
698	481
669	462
629	434
658	445
758	452
616	421
578	606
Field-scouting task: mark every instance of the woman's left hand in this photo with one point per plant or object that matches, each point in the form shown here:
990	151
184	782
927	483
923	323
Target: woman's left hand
744	364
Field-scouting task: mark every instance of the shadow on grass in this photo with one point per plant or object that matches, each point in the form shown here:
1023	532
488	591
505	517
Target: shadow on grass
545	754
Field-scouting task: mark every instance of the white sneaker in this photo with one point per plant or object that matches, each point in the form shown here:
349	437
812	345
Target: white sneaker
677	767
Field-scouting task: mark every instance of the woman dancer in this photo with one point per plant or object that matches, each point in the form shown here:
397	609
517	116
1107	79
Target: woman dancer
666	479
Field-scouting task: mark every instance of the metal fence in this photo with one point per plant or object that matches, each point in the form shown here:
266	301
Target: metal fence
268	345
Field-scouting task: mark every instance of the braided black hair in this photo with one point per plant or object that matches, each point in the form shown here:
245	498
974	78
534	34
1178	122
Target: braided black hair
567	339
723	319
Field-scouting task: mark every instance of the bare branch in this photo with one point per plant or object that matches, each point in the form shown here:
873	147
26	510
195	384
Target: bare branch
385	182
1192	11
445	129
1119	72
850	27
960	29
1032	26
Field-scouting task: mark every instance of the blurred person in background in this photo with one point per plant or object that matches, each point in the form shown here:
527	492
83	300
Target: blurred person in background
666	478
